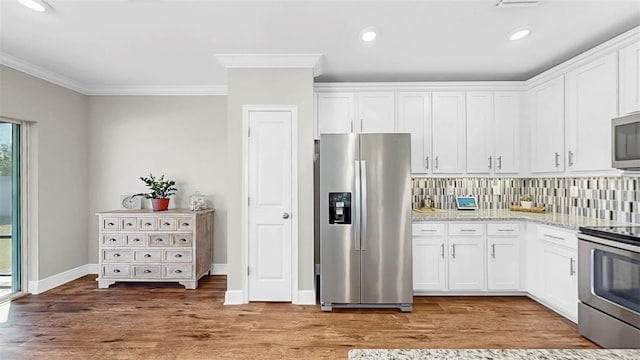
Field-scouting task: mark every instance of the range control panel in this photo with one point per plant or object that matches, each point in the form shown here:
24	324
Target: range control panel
340	208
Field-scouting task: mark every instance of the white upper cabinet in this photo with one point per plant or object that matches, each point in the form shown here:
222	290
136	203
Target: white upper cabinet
376	112
336	112
448	118
506	133
414	117
591	101
547	126
630	79
479	132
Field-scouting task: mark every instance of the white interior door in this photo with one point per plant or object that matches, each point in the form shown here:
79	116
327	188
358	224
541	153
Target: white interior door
270	200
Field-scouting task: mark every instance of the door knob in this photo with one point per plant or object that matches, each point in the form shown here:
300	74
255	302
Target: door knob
285	215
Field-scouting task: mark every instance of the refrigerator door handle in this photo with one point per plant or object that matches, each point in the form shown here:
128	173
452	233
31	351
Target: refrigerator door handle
356	206
363	208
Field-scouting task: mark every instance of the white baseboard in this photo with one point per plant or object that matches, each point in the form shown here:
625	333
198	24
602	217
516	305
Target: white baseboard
219	269
39	286
234	297
306	297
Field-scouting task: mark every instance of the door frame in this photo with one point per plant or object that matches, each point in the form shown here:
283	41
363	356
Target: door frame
244	241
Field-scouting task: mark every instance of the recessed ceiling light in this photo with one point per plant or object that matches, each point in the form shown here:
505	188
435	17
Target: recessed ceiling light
368	34
519	33
37	5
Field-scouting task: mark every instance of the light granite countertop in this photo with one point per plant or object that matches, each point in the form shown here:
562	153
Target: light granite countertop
554	219
492	354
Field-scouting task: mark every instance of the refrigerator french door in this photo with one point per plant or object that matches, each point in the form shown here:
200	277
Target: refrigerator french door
365	221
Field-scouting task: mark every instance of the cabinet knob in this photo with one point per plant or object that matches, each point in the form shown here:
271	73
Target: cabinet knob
116	255
110	224
185	224
129	224
178	255
147	224
113	239
147	255
136	240
116	270
183	240
166	224
147	271
178	271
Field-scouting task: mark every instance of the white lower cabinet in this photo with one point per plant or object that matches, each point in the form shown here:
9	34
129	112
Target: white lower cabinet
503	257
429	264
466	263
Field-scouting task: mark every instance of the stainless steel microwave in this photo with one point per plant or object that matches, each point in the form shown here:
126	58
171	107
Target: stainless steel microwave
625	142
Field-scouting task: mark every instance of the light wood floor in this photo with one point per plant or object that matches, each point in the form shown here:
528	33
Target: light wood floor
164	321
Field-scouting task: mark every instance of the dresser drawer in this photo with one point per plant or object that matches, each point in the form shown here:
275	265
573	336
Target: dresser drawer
112	240
145	224
178	271
182	240
147	256
128	224
504	229
167	224
428	229
147	271
135	239
160	240
178	256
184	224
116	255
110	223
116	271
466	229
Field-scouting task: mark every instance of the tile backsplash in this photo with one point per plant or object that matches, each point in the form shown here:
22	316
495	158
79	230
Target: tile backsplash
612	198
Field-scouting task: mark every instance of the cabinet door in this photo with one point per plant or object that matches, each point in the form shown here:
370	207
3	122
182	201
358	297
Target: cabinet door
592	102
479	132
335	113
414	117
506	132
560	287
376	112
466	263
503	264
448	132
630	79
547	126
428	264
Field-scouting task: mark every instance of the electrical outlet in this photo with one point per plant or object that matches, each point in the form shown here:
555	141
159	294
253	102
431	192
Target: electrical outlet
573	191
450	190
496	190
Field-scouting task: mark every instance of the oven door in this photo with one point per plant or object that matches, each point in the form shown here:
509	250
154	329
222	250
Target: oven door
609	277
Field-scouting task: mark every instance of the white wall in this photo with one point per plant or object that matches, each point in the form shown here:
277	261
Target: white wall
58	144
281	87
183	137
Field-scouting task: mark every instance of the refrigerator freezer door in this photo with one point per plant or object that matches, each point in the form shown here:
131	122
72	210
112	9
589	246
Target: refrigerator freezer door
339	242
386	219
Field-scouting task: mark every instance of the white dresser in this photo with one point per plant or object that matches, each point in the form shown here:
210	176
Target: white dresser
145	245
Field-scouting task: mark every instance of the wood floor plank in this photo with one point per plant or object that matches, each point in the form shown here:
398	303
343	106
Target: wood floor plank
165	321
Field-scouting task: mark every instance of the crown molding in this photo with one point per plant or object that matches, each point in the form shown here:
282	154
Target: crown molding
220	90
419	86
269	61
41	73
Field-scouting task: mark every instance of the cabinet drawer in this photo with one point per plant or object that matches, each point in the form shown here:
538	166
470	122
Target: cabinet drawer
159	240
135	239
116	255
557	236
147	256
116	271
111	240
177	271
182	240
110	223
147	223
128	224
467	229
178	256
167	224
147	271
428	229
505	229
184	224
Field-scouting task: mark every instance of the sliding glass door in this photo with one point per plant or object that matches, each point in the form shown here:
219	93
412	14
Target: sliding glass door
9	209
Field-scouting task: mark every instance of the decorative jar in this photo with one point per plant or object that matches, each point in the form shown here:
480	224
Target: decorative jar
197	202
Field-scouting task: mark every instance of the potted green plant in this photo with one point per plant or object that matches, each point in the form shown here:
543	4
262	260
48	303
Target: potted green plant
161	189
526	201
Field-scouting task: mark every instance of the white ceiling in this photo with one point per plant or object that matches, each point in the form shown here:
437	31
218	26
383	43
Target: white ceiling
155	43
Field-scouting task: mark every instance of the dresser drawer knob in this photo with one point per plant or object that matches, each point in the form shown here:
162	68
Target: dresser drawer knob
113	239
129	224
116	255
147	255
178	255
178	271
136	240
147	224
110	224
183	240
166	224
116	270
147	271
185	224
159	240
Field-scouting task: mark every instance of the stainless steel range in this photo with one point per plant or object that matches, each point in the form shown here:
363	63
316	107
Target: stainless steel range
609	285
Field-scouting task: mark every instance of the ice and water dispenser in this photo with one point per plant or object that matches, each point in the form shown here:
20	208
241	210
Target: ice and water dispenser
339	208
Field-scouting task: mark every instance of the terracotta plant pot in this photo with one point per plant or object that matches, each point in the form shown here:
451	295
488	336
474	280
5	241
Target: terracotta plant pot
160	204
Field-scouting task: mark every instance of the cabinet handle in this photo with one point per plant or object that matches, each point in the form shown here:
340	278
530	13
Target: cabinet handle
428	230
166	224
489	162
129	224
136	240
147	271
147	255
570	158
505	230
500	162
110	224
467	230
113	240
435	162
493	251
185	224
557	159
427	162
159	240
442	250
553	237
147	224
183	240
351	126
453	251
116	255
178	255
178	271
361	128
572	270
116	270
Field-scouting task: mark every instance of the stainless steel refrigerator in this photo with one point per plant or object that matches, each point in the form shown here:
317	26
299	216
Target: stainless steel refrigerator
365	221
